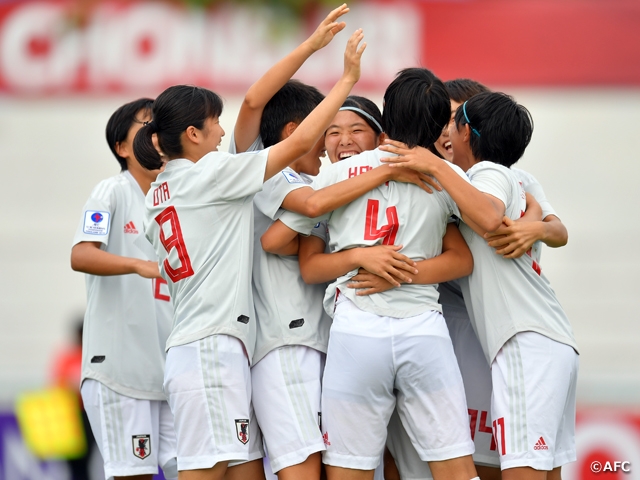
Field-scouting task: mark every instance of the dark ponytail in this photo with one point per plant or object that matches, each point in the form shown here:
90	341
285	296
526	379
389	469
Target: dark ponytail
175	109
143	148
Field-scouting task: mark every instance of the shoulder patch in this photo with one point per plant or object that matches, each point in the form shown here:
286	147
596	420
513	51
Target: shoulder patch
96	223
292	177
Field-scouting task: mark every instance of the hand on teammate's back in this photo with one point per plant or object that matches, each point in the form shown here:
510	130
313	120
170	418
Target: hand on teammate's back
327	29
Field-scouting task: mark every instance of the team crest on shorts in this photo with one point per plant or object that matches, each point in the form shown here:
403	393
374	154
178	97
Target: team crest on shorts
242	429
141	446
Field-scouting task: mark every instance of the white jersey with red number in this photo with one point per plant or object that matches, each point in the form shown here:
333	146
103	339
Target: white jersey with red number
128	318
507	296
392	214
199	218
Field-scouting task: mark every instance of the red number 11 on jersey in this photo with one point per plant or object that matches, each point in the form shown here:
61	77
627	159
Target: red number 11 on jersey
175	240
386	232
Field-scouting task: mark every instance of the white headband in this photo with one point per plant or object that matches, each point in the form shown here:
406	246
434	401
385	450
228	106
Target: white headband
364	114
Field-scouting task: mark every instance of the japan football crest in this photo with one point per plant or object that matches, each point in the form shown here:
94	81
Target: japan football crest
242	429
141	446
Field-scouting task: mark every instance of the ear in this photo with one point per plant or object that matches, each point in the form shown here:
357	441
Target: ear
123	150
466	133
381	138
288	129
192	134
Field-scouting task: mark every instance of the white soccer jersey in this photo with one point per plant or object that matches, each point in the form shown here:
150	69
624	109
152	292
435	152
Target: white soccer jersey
392	214
199	218
507	296
289	311
128	318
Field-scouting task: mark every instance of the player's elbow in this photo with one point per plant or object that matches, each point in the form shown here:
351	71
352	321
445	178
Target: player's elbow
268	243
312	208
77	261
490	223
466	263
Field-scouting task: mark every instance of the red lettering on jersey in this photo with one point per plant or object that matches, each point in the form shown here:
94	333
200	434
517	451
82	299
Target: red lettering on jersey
386	232
473	419
353	171
536	267
175	240
500	440
157	293
484	428
161	194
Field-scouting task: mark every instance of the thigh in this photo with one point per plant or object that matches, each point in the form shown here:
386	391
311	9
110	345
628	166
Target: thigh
533	403
357	390
431	399
125	430
286	397
208	387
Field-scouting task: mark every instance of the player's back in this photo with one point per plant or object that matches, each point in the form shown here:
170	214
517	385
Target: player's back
507	296
199	219
392	214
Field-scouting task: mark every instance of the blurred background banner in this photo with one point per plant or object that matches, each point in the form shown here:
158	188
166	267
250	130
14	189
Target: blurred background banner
53	47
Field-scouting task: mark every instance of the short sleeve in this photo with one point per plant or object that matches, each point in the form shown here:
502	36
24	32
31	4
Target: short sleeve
300	223
493	181
95	221
235	176
256	146
532	186
275	190
321	230
451	204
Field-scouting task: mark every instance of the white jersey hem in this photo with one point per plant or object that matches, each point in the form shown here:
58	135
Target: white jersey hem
121	389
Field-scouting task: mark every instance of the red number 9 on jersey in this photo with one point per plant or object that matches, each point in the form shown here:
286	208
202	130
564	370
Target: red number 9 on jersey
175	240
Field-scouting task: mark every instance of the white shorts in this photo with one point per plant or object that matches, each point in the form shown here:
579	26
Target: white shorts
476	376
534	402
377	363
209	389
286	398
134	436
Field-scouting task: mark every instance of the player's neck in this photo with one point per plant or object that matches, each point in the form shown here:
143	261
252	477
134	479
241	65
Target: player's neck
143	177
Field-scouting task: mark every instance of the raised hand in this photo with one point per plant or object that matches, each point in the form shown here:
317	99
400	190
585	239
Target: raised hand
327	29
353	55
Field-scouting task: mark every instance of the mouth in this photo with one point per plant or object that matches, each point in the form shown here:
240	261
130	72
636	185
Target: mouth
447	146
350	153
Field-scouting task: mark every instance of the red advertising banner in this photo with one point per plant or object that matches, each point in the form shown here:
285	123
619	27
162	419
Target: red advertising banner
146	46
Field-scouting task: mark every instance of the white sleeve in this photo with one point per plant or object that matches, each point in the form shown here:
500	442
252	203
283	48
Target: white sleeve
300	223
275	190
532	186
234	176
493	181
256	146
321	230
95	222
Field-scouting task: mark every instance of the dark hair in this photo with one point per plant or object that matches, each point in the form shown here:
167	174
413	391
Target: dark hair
501	129
462	89
416	107
120	123
367	106
292	103
175	109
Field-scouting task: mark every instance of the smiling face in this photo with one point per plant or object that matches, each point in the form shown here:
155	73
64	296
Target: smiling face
212	134
443	144
349	134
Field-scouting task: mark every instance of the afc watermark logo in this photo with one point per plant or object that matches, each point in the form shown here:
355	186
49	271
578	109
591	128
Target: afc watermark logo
617	466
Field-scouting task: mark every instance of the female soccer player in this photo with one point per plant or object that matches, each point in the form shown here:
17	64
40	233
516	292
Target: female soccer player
199	219
523	331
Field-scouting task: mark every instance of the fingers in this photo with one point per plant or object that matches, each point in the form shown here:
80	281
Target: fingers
428	179
395	143
337	13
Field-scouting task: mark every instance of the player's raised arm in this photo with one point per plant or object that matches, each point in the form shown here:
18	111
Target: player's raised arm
248	123
308	133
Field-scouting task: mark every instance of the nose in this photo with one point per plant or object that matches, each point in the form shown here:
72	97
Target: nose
345	139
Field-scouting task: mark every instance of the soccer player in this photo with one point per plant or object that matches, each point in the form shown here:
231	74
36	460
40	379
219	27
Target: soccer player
128	317
523	331
381	344
513	239
199	219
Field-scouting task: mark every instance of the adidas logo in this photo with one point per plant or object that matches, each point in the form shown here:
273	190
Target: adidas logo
130	228
540	445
